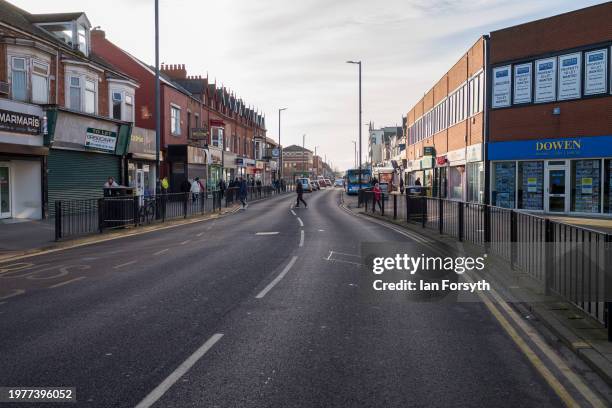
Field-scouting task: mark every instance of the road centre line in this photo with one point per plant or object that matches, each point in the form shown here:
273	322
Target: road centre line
300	221
161	252
181	370
200	234
552	381
277	279
267	233
301	238
186	242
293	212
124	264
57	285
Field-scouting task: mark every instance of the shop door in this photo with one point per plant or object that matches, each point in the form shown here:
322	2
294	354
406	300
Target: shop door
5	191
556	181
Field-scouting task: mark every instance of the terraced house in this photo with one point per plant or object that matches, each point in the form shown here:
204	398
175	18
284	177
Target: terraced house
63	140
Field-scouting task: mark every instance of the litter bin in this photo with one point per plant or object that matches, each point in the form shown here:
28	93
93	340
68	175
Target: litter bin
118	207
416	204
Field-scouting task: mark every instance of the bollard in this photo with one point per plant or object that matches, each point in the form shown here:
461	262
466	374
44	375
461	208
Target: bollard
58	220
394	206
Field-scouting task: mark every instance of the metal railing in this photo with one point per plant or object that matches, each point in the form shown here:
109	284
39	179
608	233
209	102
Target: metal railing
75	218
570	261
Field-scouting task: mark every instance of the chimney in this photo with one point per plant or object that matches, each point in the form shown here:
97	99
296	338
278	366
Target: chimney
175	71
98	33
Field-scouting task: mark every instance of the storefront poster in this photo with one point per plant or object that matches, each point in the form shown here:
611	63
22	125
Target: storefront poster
501	87
587	185
522	83
532	185
569	76
595	72
586	176
546	80
99	139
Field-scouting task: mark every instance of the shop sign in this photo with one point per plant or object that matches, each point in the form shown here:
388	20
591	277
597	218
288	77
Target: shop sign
215	156
244	162
578	147
429	151
260	164
455	156
595	72
569	76
546	80
199	133
441	160
426	162
100	139
142	141
19	122
196	155
522	83
275	152
474	153
501	86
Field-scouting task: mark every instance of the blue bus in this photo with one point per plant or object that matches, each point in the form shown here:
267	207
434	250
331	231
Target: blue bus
352	180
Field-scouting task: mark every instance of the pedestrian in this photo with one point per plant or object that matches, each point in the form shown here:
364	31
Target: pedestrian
222	187
185	185
417	182
165	185
196	189
401	185
111	183
243	193
258	187
377	196
299	189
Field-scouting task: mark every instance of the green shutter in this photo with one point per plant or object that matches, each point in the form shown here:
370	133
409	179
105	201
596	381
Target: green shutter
77	175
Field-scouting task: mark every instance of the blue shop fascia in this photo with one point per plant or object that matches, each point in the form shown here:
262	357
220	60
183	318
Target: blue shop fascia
565	176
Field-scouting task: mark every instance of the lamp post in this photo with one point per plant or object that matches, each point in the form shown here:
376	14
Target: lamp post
157	102
359	63
280	148
303	154
355	153
317	166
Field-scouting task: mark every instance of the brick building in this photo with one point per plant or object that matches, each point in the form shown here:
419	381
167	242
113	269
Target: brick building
60	134
551	114
445	131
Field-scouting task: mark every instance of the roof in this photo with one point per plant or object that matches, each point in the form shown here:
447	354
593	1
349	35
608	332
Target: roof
55	17
295	148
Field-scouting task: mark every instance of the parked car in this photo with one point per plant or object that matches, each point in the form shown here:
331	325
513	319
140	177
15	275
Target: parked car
328	182
321	184
339	183
315	185
305	184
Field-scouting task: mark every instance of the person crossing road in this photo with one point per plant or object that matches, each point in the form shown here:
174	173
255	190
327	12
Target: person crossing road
299	189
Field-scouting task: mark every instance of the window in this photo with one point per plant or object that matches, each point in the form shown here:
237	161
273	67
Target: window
189	124
19	83
117	99
82	39
531	185
586	186
175	120
504	176
40	82
129	108
75	93
90	96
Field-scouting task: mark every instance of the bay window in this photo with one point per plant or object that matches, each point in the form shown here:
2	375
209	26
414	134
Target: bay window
175	120
75	93
117	101
40	82
90	96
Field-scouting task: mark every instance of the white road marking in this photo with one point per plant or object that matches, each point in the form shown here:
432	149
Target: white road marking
16	292
300	221
293	212
277	279
321	230
57	285
267	233
343	253
185	242
161	389
200	234
161	252
301	238
124	264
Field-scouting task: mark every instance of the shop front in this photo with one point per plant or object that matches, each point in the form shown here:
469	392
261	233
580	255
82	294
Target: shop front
22	160
246	167
558	176
215	167
141	164
85	150
230	168
186	163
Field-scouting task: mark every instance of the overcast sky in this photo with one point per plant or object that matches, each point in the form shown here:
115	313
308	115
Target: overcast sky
280	53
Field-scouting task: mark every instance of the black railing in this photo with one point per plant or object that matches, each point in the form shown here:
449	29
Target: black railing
570	261
81	217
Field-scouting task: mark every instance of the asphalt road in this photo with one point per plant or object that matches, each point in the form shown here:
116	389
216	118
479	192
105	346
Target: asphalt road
214	314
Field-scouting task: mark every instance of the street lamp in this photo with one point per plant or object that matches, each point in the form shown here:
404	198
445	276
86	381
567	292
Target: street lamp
280	149
157	102
355	153
359	63
317	166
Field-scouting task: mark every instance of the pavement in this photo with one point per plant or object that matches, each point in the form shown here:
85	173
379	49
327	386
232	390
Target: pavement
597	224
24	235
269	307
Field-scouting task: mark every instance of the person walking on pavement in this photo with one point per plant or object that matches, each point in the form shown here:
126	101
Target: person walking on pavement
401	185
195	189
299	189
243	193
377	196
222	187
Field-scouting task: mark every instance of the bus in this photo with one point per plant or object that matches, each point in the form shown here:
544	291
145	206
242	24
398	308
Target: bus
352	180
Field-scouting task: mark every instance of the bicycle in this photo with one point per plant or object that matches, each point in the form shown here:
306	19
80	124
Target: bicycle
146	212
